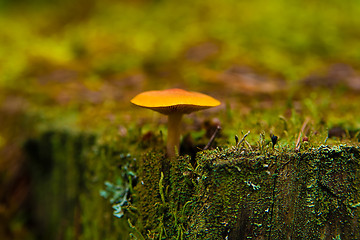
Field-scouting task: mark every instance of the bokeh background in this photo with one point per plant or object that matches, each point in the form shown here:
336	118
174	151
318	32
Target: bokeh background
74	65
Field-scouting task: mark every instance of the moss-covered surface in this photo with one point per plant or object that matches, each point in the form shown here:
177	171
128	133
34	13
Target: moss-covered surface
67	174
242	194
80	182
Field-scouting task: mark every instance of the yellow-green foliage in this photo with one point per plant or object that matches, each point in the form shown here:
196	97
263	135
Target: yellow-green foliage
287	38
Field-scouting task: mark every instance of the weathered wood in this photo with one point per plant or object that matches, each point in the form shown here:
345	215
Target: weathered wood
229	194
251	195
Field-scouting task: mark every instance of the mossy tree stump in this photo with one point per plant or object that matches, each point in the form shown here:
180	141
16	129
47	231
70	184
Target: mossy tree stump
229	193
238	194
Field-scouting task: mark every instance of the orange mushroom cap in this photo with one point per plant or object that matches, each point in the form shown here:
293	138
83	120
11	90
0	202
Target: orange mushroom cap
174	101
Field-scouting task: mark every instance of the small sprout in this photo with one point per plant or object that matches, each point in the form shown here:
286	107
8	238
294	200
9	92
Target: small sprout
135	232
301	132
274	140
242	140
218	128
161	188
305	139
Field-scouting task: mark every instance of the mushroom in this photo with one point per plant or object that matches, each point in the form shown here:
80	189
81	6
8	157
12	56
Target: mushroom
174	103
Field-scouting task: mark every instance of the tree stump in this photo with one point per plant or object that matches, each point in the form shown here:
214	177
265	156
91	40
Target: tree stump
238	194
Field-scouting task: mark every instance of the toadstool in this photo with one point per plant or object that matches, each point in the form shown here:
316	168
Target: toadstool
174	103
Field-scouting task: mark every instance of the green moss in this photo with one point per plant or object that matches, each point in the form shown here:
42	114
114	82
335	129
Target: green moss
67	173
148	193
232	192
243	194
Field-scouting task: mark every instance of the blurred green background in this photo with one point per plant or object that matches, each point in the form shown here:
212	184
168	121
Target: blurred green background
288	38
94	56
74	65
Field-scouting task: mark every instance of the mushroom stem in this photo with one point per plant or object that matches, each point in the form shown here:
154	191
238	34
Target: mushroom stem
173	138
